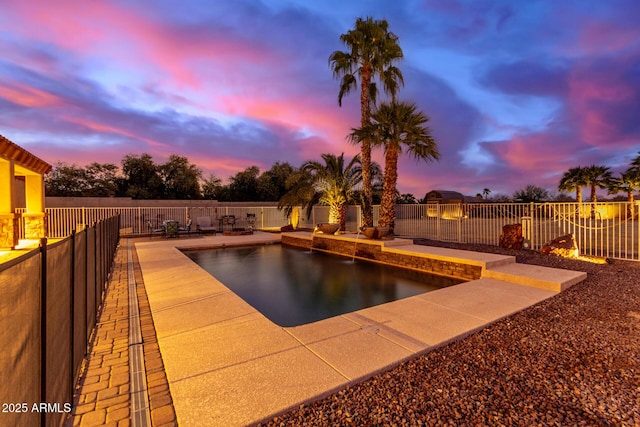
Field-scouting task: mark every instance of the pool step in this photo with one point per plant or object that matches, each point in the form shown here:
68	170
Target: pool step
482	259
554	279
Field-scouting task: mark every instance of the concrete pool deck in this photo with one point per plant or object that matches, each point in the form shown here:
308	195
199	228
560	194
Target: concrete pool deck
227	364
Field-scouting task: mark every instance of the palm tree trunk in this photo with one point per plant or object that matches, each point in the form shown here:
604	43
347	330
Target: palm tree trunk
342	216
594	200
579	194
388	203
367	192
365	148
334	213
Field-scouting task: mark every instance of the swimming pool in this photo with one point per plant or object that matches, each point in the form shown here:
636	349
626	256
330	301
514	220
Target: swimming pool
291	286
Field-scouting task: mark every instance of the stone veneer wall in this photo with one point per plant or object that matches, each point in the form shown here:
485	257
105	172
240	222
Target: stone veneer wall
373	252
35	226
8	228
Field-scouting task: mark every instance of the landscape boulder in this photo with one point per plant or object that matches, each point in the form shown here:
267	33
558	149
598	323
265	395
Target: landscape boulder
564	246
511	237
286	228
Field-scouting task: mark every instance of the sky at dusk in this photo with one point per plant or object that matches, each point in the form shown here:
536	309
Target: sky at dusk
516	92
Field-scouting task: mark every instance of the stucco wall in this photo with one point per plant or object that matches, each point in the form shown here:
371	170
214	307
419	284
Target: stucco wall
127	202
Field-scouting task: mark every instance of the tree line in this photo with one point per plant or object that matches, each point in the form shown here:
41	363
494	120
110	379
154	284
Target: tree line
576	178
139	177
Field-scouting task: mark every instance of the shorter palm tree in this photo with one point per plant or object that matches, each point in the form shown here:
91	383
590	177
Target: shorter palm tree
397	126
486	192
597	177
628	182
573	180
333	183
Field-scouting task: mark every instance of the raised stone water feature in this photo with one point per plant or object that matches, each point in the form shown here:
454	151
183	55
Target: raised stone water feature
382	251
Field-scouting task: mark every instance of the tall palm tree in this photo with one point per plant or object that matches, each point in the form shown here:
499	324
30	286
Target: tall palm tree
397	126
333	183
371	51
573	180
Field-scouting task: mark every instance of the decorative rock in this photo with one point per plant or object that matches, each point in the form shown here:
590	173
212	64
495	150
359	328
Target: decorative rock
511	237
286	228
564	246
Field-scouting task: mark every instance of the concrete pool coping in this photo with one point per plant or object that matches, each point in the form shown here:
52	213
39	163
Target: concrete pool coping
227	364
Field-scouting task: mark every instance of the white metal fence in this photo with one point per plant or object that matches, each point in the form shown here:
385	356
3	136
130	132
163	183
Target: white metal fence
62	221
608	229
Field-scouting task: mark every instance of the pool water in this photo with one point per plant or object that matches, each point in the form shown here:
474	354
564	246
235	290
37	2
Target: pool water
293	286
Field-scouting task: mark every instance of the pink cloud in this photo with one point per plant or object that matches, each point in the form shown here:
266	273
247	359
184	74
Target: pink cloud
603	37
538	158
330	122
27	96
601	95
110	31
107	129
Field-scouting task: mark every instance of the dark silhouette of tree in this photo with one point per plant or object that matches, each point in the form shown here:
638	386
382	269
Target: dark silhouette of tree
406	199
531	193
181	179
66	181
94	180
141	178
272	184
211	188
243	186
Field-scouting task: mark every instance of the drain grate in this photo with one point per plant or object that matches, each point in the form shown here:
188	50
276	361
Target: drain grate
140	415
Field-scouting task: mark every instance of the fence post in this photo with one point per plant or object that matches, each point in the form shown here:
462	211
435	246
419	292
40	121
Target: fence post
96	297
634	222
72	309
531	227
43	327
439	210
86	286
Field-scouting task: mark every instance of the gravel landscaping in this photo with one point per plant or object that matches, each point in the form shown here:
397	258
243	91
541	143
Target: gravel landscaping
571	360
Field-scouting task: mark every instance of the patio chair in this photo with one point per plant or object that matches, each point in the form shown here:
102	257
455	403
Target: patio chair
203	225
186	229
171	228
251	221
229	220
153	230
